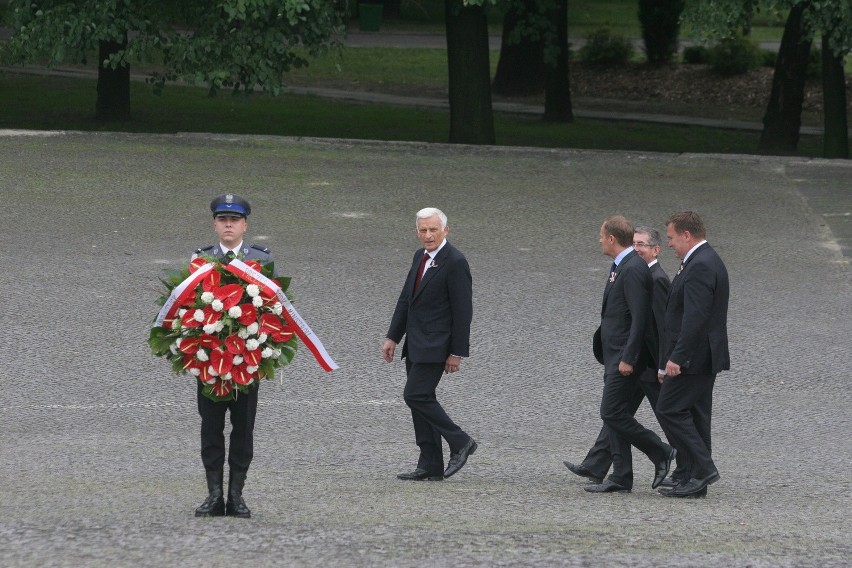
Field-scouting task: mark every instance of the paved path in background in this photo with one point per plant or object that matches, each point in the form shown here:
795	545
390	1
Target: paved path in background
99	458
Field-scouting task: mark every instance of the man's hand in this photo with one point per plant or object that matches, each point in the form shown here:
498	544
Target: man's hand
625	368
388	350
672	369
452	364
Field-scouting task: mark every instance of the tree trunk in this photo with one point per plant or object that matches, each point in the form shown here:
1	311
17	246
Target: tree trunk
471	116
113	102
557	92
521	68
836	137
783	117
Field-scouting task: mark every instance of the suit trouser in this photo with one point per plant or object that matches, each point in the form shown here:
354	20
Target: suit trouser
243	412
625	430
684	410
431	422
599	458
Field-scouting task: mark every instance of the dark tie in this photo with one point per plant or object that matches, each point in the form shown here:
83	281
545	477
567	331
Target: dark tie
679	270
420	270
229	256
613	267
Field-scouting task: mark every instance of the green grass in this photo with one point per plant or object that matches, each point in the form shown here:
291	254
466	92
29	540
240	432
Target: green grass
67	104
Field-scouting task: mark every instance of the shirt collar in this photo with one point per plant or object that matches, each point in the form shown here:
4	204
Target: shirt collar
617	260
225	249
435	252
652	263
692	250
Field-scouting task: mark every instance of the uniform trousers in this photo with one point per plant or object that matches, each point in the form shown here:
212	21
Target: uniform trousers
431	422
243	411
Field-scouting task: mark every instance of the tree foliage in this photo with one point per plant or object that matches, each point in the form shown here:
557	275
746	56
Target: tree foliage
225	43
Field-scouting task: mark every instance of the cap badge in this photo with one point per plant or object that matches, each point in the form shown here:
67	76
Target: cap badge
229	198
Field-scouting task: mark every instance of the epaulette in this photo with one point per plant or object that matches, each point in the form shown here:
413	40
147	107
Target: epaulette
261	248
203	250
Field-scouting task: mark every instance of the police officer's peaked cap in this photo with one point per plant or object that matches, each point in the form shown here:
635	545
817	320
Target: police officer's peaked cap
230	204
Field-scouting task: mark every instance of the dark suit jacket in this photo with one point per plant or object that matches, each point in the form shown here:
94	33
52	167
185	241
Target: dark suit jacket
654	329
624	314
259	253
435	320
696	319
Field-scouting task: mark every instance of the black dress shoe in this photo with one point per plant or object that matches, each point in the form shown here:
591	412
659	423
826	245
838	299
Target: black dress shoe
607	487
670	481
458	459
693	487
420	475
663	468
583	471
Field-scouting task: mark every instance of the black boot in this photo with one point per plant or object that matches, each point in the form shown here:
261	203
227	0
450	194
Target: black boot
236	505
214	505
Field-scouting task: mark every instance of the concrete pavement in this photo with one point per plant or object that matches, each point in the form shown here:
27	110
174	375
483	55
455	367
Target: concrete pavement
99	459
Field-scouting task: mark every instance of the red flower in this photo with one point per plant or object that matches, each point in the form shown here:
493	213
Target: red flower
188	319
196	264
189	345
221	361
249	314
235	344
270	323
241	376
210	282
222	388
252	357
230	295
209	341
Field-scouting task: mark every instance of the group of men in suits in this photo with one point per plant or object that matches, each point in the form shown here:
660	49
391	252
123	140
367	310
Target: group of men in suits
662	340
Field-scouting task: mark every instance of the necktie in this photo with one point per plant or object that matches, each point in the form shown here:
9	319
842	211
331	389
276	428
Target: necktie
420	270
613	267
229	256
679	270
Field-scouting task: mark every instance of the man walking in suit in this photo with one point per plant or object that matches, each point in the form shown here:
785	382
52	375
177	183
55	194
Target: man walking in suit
434	312
230	222
694	349
596	464
625	312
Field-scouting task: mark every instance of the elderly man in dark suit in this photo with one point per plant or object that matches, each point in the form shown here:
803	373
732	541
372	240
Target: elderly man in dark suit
623	331
596	464
434	312
694	350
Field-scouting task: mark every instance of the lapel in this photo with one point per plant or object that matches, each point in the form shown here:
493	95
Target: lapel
439	261
610	281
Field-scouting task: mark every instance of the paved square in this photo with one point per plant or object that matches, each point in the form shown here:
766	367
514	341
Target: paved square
99	460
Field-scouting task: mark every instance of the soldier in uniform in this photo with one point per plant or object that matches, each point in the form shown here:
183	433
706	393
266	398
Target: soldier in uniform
230	213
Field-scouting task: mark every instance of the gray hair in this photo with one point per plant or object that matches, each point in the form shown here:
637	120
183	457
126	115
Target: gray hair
428	212
654	238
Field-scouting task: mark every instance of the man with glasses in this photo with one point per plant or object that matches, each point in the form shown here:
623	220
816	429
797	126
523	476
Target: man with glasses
596	464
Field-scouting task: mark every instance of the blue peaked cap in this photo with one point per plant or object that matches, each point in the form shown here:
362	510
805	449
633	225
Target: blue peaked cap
230	204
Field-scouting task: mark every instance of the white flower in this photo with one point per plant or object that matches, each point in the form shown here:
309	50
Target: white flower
252	344
210	380
173	348
252	290
277	353
210	328
257	301
194	372
235	312
238	359
219	326
212	371
242	333
207	297
176	323
217	305
198	316
178	341
181	312
226	377
267	353
252	329
251	369
262	338
277	308
201	355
